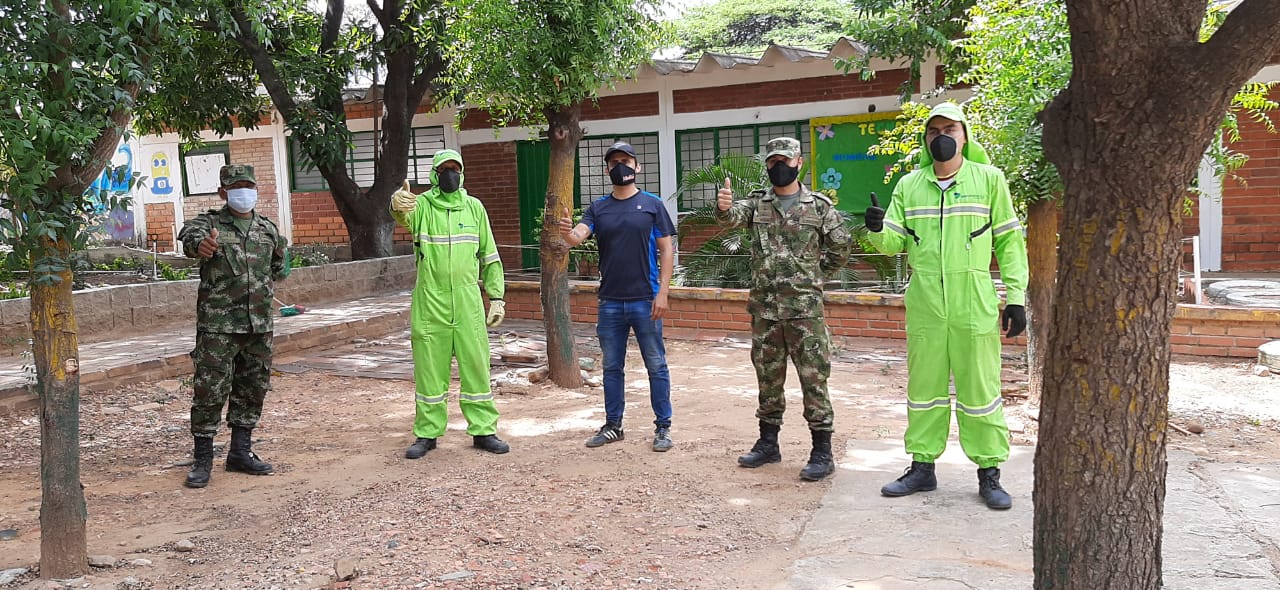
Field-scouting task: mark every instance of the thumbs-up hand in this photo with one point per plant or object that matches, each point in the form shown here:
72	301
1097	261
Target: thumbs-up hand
724	196
209	245
403	200
874	217
566	222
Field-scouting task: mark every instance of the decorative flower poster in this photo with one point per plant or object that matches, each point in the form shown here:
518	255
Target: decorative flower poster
841	165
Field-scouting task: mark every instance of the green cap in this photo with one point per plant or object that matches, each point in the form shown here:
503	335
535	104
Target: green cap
782	146
233	173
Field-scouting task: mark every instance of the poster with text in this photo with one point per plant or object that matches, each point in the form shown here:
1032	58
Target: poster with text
841	165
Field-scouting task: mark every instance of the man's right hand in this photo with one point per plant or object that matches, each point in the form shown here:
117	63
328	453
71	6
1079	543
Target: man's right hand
724	196
874	217
403	200
209	245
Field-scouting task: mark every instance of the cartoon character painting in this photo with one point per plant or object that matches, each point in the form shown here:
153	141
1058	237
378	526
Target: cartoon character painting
161	183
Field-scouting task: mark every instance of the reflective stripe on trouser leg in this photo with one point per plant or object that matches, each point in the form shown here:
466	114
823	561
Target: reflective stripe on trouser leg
809	346
251	381
432	359
769	356
928	399
984	434
471	346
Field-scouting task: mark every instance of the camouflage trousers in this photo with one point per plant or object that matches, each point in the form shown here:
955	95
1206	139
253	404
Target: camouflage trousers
232	370
808	343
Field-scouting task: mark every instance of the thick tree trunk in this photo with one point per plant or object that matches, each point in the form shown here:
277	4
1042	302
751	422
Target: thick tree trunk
1042	259
1127	136
369	226
63	548
562	356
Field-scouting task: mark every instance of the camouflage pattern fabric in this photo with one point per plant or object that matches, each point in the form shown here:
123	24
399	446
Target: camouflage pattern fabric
234	368
792	253
808	343
236	290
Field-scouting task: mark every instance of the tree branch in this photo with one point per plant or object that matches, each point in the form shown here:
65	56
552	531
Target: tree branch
263	63
332	25
378	13
1246	40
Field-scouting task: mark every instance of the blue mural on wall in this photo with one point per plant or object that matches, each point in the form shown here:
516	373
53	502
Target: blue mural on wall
115	179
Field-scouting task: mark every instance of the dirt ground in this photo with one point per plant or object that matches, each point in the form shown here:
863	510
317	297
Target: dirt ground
550	515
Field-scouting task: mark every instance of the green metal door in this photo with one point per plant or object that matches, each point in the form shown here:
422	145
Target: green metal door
533	165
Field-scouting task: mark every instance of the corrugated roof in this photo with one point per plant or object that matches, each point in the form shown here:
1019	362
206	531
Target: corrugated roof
774	55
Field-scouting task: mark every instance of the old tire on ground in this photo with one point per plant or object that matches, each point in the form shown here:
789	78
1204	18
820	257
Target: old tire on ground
1269	355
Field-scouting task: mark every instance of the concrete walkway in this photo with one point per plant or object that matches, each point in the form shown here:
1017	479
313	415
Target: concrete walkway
1222	527
164	353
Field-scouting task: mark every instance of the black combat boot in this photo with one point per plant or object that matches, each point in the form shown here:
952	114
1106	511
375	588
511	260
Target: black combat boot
918	478
240	457
990	490
766	449
420	448
821	463
491	443
198	477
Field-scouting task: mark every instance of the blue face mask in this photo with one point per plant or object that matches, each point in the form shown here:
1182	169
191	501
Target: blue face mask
242	200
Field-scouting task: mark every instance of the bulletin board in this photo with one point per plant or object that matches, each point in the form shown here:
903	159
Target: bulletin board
202	173
841	163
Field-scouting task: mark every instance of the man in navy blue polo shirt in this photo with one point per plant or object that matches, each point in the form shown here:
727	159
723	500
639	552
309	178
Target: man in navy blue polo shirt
634	232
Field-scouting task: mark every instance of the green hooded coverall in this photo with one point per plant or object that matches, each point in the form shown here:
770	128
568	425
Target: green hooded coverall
453	244
951	302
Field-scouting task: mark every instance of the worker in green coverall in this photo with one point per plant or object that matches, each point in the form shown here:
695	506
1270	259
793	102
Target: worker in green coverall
454	247
948	215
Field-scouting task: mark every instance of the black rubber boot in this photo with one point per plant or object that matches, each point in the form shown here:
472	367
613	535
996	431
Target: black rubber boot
198	477
821	463
420	448
990	490
491	443
240	457
765	450
918	478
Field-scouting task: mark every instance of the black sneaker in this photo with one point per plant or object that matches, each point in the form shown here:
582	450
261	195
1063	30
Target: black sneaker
662	439
608	433
419	448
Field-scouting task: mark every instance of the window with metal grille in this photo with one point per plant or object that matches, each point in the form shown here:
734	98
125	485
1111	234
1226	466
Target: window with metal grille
361	161
699	148
593	181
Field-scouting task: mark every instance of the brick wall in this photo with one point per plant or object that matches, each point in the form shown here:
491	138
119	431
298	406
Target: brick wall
256	153
316	220
160	225
622	105
491	177
785	92
1251	205
1197	330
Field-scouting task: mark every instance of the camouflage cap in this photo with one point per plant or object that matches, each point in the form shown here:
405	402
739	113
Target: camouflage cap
784	146
233	173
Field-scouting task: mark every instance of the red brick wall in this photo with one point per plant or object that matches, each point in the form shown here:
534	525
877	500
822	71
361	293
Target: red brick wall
784	92
1251	206
623	105
160	225
193	206
316	221
1197	330
258	153
491	177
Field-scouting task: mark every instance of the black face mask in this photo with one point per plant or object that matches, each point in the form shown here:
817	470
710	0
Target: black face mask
450	179
782	175
942	148
622	175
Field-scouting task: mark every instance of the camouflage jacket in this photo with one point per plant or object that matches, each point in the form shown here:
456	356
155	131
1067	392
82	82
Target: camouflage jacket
236	285
792	253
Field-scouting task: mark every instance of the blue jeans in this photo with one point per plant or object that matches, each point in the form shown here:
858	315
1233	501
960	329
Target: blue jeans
615	321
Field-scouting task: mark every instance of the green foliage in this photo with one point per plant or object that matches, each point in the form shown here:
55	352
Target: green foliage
169	273
585	254
308	255
917	31
749	26
518	59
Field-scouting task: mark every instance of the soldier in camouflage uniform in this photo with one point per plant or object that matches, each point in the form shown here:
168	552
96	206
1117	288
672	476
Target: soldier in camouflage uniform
799	238
241	254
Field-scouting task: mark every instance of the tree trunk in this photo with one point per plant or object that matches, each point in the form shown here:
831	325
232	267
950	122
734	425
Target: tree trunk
55	348
1042	259
562	356
1127	147
369	227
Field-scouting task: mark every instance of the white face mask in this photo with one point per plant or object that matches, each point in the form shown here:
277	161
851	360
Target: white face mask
242	200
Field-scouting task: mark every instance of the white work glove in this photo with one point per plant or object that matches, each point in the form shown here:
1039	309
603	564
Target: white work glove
497	311
403	201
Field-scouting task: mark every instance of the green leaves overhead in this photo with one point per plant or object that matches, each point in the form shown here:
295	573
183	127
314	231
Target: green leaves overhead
749	26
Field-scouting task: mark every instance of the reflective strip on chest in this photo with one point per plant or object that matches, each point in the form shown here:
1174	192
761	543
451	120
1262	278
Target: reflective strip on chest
454	239
952	211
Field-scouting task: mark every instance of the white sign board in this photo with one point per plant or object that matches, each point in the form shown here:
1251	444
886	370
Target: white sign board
202	173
